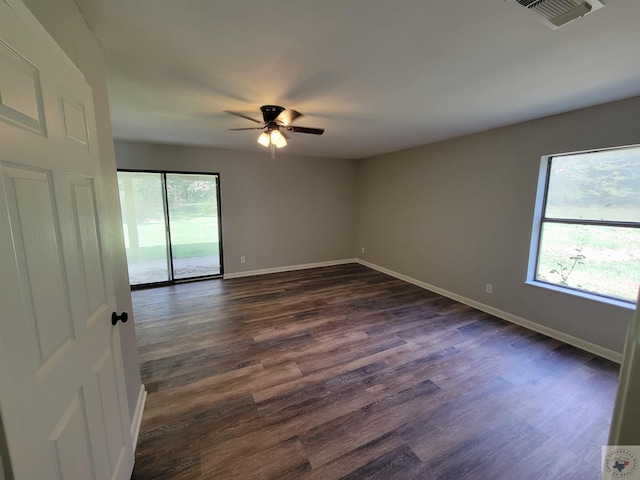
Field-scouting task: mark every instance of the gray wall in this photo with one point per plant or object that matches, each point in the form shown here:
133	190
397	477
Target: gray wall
65	24
458	214
296	211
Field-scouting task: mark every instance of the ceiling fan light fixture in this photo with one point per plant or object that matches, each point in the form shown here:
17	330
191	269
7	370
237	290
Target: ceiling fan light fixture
277	120
278	139
264	139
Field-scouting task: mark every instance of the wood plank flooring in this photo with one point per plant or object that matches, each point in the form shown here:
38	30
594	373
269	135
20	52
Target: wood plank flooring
346	373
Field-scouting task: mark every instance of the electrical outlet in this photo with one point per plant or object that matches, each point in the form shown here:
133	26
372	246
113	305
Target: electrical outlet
242	259
362	250
489	288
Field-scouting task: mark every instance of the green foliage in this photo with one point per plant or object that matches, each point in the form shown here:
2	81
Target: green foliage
188	195
601	180
610	264
191	190
566	267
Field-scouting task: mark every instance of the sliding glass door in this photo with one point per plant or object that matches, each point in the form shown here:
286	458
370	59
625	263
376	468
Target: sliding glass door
193	224
171	225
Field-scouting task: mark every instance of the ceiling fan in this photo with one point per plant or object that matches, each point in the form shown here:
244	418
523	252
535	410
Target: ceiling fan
276	122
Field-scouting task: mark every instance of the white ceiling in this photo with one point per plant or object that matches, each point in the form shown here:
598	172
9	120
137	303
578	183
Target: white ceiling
378	75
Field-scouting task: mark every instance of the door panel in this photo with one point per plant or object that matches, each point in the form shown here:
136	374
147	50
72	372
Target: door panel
29	197
106	379
69	461
20	94
74	122
62	400
192	202
143	217
88	240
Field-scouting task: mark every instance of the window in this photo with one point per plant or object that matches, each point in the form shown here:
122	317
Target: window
588	234
171	225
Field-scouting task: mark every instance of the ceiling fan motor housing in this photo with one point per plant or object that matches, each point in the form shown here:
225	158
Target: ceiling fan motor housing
270	112
278	118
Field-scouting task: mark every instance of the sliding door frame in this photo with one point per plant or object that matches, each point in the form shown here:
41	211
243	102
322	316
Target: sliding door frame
165	197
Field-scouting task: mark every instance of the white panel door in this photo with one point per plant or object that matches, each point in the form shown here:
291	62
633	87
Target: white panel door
62	397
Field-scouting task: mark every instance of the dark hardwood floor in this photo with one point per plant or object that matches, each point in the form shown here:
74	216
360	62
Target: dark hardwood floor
346	373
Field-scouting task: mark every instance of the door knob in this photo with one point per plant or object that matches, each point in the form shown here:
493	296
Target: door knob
115	317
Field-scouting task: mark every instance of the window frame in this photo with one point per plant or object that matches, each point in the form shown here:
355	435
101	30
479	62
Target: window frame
540	218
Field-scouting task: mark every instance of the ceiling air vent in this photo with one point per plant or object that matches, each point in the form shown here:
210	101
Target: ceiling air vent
556	13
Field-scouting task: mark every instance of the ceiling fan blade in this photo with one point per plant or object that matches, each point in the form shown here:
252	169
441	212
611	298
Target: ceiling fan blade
248	128
313	131
287	117
243	116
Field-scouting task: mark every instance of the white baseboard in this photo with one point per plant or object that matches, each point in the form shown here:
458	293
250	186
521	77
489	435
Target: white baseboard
136	421
289	268
523	322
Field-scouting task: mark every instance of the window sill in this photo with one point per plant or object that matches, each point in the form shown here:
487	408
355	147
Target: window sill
587	296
